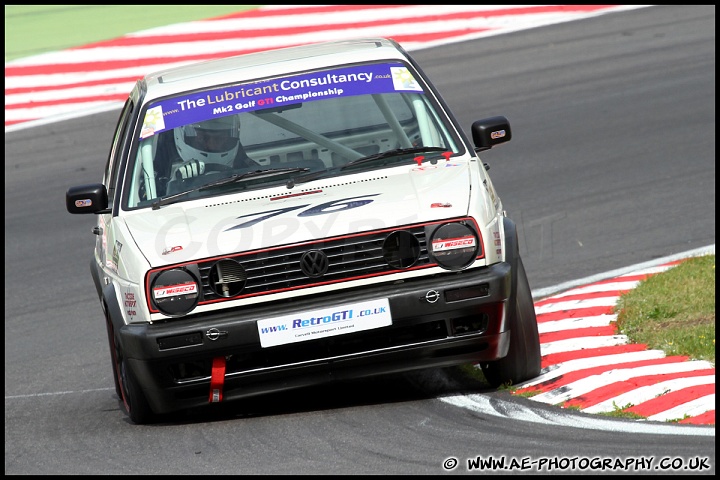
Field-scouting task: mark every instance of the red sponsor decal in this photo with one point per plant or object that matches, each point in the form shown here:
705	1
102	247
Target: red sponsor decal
175	290
176	248
453	243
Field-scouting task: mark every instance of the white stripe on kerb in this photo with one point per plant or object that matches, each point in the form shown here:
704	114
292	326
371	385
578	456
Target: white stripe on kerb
649	392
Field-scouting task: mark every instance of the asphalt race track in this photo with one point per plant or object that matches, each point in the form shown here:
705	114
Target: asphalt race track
612	164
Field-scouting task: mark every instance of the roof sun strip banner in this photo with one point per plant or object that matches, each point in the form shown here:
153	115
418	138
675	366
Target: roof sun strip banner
275	93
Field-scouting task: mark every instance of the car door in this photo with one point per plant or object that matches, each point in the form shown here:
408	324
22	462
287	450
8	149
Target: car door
106	247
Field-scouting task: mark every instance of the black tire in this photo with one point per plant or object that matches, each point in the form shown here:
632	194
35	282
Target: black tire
113	355
131	398
522	361
134	402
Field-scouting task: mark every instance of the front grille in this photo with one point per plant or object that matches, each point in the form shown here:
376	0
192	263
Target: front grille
348	257
321	262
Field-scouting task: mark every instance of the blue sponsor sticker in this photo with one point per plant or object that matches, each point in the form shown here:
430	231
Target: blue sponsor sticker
342	82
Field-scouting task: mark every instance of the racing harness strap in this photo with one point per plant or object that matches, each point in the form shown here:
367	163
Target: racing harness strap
217	379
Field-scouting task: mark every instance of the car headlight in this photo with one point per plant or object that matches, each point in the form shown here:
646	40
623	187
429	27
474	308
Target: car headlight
454	246
175	292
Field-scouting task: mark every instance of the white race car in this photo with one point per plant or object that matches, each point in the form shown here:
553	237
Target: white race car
286	218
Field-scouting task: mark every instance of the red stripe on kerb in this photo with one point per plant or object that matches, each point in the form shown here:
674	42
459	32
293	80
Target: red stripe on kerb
357	10
707	418
581	296
580	374
613	390
607	330
277	12
562	357
671	400
157	63
268	32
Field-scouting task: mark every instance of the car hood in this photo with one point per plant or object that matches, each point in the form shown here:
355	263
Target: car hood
263	219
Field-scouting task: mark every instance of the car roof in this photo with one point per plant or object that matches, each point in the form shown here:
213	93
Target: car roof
269	63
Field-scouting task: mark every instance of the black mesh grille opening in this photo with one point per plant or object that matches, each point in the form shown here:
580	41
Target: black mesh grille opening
348	257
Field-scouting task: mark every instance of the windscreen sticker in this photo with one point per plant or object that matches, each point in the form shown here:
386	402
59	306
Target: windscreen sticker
278	92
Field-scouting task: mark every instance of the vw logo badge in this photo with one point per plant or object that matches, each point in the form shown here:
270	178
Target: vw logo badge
314	263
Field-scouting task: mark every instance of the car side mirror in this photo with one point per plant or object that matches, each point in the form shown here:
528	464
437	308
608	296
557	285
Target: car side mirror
91	198
489	132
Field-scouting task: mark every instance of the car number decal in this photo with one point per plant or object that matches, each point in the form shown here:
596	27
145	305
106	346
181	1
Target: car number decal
322	209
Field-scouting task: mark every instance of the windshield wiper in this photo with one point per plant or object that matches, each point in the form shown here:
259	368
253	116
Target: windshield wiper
398	152
238	177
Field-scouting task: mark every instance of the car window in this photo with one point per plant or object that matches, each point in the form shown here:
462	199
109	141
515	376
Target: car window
113	164
318	121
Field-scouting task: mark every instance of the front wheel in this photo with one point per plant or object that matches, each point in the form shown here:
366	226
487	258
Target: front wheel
522	361
113	355
134	402
127	388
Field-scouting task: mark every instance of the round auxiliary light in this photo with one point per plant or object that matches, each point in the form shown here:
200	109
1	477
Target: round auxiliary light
401	249
454	246
227	278
175	292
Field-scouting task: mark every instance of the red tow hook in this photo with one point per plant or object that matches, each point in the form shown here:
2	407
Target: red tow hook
217	380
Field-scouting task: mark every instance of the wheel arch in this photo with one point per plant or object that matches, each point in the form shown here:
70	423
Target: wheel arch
512	250
108	297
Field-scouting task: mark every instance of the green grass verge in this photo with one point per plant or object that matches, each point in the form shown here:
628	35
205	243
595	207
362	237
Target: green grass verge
673	311
35	29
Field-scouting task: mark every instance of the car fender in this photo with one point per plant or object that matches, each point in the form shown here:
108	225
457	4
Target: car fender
108	296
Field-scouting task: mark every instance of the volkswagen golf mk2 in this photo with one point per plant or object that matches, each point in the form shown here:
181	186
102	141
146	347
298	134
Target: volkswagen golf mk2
290	217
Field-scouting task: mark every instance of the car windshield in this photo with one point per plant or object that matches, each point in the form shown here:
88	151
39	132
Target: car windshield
302	127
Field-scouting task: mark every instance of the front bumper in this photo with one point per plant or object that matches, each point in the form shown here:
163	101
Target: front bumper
173	360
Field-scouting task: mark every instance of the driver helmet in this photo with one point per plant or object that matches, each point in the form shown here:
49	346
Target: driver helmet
213	141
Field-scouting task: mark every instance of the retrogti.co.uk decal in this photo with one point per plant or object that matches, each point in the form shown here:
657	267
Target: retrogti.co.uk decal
324	322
